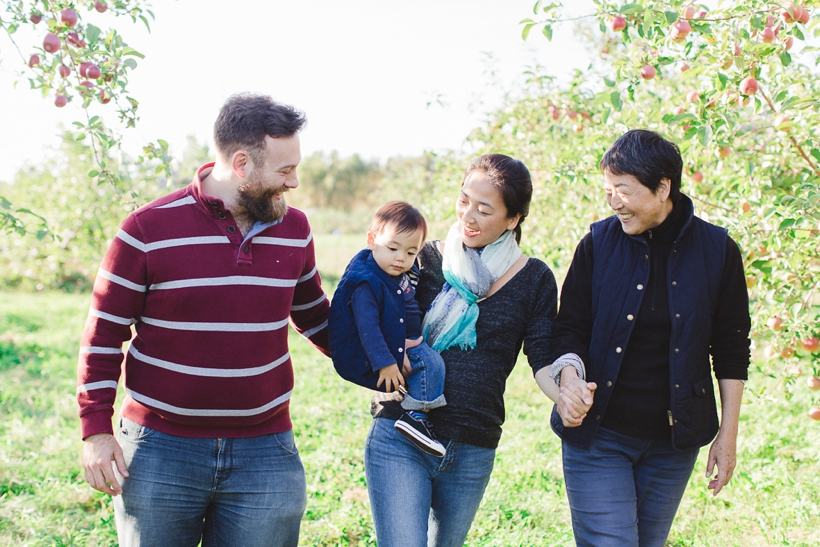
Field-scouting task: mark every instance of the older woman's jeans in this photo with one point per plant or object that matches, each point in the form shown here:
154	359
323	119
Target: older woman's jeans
226	492
419	500
625	491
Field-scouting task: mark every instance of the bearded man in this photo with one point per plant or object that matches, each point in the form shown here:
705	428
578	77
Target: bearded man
209	277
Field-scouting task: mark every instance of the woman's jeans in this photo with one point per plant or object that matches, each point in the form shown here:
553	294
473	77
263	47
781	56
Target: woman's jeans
419	500
226	492
624	491
425	383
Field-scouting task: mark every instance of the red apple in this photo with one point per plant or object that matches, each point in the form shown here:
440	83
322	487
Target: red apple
648	72
51	42
60	101
84	68
748	86
571	114
746	207
34	60
751	281
782	120
68	17
692	96
618	23
793	13
810	344
787	352
684	67
813	383
805	16
727	63
775	323
724	151
93	72
679	110
767	35
75	40
86	83
702	13
105	98
788	43
578	128
585	115
737	51
555	113
35	18
814	413
64	71
697	176
100	6
689	12
680	29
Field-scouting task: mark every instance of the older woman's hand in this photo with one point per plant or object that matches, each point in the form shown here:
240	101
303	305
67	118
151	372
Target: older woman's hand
575	398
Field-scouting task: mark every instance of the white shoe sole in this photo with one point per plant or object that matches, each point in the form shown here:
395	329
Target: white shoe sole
429	446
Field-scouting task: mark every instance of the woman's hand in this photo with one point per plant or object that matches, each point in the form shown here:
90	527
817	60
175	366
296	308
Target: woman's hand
391	378
406	367
575	398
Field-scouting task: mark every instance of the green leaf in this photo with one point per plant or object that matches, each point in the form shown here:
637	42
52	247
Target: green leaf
797	33
722	80
93	120
41	234
671	16
615	99
704	134
628	9
526	31
130	63
128	50
785	58
163	144
93	174
92	33
609	83
547	32
5	204
536	6
814	152
79	137
786	223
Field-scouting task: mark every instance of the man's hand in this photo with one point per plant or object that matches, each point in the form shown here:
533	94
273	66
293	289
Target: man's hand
575	398
98	453
722	453
391	377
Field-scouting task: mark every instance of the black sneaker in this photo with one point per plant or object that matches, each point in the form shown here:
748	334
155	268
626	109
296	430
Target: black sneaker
418	431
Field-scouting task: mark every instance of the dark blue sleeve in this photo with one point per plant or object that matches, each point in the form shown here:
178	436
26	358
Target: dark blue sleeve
366	314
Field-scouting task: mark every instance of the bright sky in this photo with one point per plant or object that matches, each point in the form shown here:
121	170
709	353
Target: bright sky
364	71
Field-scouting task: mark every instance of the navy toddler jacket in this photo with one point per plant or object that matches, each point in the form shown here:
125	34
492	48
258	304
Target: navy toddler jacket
620	272
346	350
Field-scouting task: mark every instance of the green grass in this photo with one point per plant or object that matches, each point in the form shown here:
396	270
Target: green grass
773	500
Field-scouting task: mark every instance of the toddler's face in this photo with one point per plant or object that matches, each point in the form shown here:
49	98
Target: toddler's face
395	252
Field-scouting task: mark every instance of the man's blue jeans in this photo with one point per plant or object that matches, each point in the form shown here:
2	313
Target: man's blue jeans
623	491
226	492
419	500
425	383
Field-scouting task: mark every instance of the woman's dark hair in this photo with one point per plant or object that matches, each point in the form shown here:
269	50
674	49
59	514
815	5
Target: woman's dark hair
648	157
246	119
400	214
512	178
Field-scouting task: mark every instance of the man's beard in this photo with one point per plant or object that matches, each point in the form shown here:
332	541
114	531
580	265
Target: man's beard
259	203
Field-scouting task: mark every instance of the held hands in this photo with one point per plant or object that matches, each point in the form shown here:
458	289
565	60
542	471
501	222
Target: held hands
98	453
391	377
575	398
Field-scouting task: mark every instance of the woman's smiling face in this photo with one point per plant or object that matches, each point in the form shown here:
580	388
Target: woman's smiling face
481	211
638	208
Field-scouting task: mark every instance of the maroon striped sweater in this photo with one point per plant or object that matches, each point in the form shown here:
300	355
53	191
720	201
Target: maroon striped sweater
209	346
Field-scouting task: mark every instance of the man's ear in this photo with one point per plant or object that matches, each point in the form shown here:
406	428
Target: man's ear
241	163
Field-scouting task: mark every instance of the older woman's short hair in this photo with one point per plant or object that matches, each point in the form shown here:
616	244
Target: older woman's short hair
646	156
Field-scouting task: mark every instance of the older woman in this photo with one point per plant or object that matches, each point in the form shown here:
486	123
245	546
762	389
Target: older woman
484	300
651	293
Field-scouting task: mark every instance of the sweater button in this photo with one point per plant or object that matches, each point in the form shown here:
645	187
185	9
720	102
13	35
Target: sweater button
222	215
646	257
597	416
398	292
630	317
214	204
231	229
401	320
703	389
677	316
674	283
640	287
401	350
609	384
244	248
677	386
618	350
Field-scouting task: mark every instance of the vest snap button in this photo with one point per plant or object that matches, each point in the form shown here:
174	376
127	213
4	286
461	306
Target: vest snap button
630	317
640	287
609	384
677	350
674	283
618	350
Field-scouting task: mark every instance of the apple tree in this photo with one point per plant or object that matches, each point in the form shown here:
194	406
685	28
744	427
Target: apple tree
74	60
736	88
